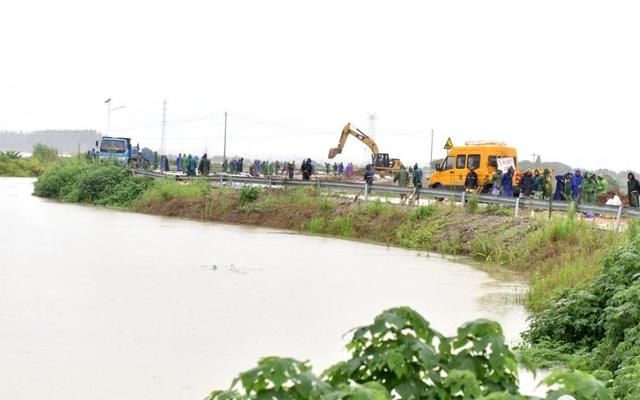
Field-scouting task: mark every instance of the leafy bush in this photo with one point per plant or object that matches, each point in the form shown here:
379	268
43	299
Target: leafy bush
103	183
472	203
423	212
248	194
44	153
601	321
401	356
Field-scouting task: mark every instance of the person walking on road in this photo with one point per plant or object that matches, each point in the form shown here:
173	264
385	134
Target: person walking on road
402	177
416	178
633	188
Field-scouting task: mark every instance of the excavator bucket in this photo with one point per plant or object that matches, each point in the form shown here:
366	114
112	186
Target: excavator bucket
334	152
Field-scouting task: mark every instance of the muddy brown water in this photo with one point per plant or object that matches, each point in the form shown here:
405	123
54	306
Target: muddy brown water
102	304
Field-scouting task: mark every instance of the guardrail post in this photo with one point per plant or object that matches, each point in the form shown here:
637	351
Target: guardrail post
366	191
517	211
618	218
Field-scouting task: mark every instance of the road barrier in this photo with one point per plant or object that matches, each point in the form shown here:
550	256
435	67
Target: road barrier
441	194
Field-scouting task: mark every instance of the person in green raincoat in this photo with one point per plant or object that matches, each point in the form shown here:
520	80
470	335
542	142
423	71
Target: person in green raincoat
589	188
568	189
184	164
402	177
547	184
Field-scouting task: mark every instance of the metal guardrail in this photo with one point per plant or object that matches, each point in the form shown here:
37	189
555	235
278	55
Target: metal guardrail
458	196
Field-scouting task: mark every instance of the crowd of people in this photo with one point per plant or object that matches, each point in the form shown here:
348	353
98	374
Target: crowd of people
571	186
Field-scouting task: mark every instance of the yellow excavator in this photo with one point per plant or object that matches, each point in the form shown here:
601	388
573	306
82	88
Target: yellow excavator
381	161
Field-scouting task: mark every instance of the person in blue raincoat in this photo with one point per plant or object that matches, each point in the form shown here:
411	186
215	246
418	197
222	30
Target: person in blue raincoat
507	183
179	163
561	183
576	185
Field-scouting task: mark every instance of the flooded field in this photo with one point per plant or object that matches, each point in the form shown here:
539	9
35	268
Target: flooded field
112	305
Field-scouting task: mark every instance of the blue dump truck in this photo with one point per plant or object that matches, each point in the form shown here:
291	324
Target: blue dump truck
119	149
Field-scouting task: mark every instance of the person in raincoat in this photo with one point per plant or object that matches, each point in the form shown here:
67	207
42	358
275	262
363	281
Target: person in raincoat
633	188
307	169
340	168
496	182
402	177
205	165
179	162
191	165
507	183
576	185
561	189
538	185
417	182
526	184
327	168
184	163
589	188
368	177
349	169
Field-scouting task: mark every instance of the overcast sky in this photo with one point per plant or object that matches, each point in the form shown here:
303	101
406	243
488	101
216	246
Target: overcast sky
555	78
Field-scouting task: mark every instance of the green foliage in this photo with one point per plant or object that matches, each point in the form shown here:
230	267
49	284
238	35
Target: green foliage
12	164
472	203
400	356
316	225
423	212
601	320
164	190
248	194
11	155
45	153
341	226
497	209
104	183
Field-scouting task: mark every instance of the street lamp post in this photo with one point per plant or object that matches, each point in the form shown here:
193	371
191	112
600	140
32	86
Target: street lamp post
109	111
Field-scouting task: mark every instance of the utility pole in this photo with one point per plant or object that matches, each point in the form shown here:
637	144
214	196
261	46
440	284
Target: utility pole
164	122
224	150
431	159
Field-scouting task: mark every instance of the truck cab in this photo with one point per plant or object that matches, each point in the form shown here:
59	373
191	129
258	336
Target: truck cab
484	157
118	148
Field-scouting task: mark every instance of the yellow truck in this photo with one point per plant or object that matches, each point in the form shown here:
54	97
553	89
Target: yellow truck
484	156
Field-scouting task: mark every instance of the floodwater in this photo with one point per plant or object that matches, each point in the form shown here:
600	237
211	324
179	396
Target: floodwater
102	304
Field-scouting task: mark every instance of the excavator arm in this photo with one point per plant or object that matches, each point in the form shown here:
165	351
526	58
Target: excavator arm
361	136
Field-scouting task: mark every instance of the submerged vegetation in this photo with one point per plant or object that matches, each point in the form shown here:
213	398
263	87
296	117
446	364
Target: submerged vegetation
400	356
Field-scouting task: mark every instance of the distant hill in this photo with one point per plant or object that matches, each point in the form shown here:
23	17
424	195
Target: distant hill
65	141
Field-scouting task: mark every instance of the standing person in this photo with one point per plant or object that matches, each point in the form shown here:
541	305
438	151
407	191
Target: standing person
184	163
225	166
277	167
417	183
327	168
568	188
197	163
179	162
340	168
368	177
589	188
471	181
507	183
633	188
496	183
560	189
547	184
240	164
402	177
191	166
349	169
576	185
232	166
538	185
291	167
205	165
307	169
526	184
335	168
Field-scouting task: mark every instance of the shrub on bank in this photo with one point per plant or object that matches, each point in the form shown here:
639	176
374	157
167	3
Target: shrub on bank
599	323
79	181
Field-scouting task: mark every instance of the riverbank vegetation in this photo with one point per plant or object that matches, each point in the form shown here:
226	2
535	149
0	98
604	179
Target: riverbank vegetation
12	163
597	327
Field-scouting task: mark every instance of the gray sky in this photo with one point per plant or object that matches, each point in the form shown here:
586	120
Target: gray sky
555	78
